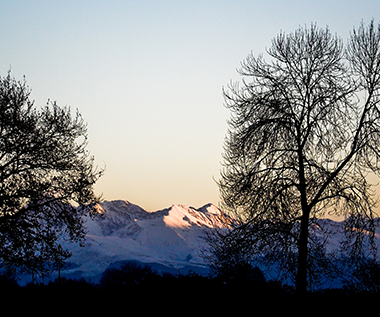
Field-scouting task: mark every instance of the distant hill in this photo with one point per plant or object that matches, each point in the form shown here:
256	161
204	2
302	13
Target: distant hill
169	239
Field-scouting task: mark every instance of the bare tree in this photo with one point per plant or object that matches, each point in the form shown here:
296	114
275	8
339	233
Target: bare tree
44	169
303	136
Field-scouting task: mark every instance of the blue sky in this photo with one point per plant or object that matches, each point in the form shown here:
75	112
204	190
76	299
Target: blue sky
147	77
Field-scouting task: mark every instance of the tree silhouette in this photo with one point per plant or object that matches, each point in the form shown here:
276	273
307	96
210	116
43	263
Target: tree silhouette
44	168
129	274
303	136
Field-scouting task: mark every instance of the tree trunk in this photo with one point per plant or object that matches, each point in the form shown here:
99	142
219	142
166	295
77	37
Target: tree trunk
301	278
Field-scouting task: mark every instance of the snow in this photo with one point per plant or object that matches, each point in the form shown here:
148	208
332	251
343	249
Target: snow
123	231
170	239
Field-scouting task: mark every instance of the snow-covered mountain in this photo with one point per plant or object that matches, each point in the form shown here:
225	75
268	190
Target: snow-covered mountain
168	240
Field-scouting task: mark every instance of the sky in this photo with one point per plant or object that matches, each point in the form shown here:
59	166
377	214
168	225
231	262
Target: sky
147	77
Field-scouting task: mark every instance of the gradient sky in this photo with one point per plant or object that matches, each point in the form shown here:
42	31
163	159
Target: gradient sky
147	76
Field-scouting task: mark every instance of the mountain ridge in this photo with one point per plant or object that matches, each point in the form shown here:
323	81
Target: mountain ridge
170	238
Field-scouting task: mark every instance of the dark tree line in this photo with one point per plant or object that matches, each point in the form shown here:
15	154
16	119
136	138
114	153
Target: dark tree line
303	136
132	281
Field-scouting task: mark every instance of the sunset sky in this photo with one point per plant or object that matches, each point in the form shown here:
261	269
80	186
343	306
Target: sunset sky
147	77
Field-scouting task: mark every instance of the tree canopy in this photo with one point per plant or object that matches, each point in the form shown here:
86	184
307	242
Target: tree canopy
303	137
46	179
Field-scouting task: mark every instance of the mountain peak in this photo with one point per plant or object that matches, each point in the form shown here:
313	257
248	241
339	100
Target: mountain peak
170	237
210	208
